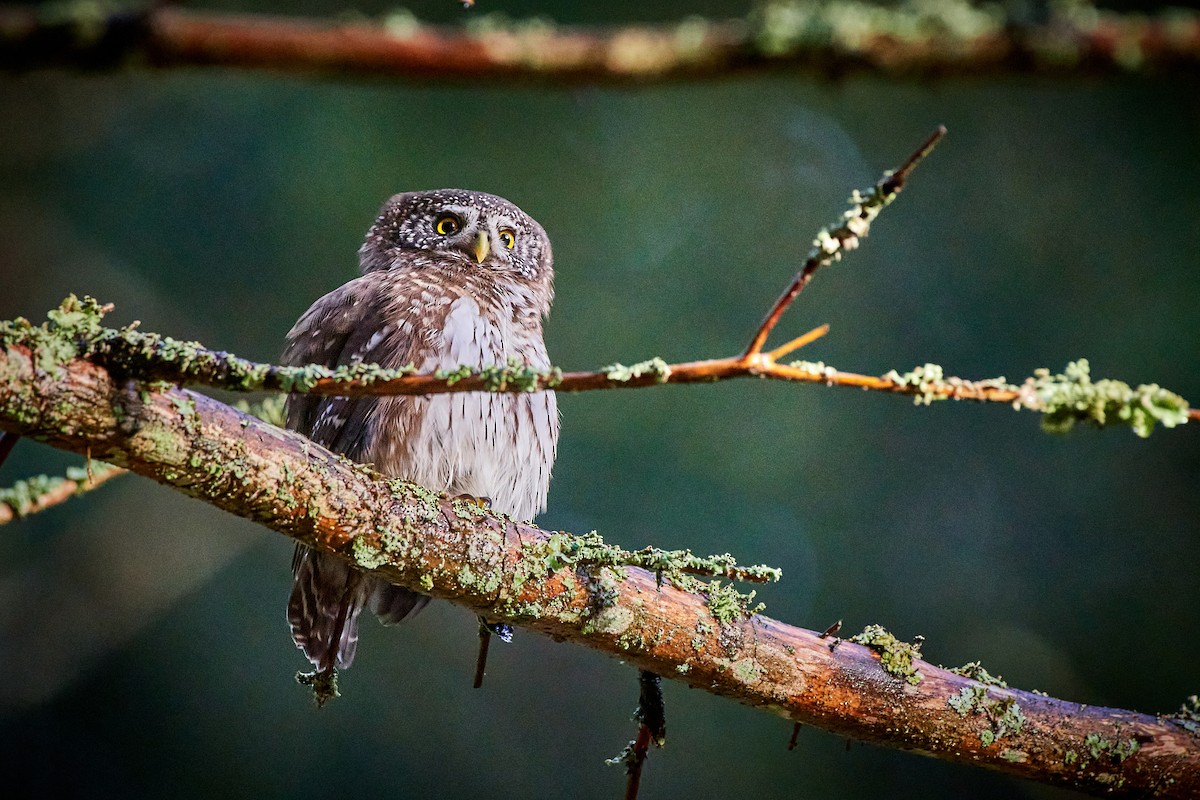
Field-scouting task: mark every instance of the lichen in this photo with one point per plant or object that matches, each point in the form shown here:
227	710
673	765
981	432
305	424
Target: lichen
1099	747
1005	717
976	672
654	366
1072	397
728	605
26	496
1188	715
1014	756
968	699
324	685
367	554
895	656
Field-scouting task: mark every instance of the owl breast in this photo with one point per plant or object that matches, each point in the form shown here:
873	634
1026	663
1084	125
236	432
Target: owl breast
484	444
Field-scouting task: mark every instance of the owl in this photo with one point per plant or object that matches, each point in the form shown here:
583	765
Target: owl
449	278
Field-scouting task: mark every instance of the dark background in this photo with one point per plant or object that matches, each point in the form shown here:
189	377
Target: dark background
142	634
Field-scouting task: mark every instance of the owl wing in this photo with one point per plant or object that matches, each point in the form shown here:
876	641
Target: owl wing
345	326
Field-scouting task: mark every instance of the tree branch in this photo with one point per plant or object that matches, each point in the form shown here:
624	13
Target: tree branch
41	492
828	39
75	330
703	635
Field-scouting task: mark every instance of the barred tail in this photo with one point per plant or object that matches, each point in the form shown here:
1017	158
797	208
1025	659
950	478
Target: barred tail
327	597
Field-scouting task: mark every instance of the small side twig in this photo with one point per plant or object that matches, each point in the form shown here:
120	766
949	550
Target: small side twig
41	492
830	244
652	729
485	640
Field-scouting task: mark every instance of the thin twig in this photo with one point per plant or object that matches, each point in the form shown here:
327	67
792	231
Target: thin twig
829	247
485	639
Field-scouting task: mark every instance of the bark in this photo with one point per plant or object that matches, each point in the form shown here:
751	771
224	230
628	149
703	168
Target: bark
538	579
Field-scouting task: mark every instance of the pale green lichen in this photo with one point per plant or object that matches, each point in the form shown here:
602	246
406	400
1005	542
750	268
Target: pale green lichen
728	605
895	656
968	699
1188	715
1073	396
1005	717
654	366
367	554
976	672
1099	747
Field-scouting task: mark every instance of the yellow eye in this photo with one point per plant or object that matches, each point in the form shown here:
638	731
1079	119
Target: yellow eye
508	238
447	225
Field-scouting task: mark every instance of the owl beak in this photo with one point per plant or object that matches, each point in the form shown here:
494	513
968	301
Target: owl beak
482	246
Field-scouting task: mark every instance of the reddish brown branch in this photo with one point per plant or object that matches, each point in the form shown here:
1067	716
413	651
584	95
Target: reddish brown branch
1102	43
501	569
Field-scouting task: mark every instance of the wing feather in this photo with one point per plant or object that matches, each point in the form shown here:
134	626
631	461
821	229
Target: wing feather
343	327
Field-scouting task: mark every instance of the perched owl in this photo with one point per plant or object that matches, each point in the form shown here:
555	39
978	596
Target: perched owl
450	277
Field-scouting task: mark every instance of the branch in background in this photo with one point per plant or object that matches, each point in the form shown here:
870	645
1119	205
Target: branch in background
40	492
704	635
828	39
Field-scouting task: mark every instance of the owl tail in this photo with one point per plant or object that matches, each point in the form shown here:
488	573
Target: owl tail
327	597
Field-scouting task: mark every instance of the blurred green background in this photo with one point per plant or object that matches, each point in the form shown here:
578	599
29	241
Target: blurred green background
143	635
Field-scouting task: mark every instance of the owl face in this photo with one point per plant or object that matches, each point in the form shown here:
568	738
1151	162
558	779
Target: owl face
459	230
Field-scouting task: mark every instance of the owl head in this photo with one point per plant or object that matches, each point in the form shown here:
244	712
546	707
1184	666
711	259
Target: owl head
458	230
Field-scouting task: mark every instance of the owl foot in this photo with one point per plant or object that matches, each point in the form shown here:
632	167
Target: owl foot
486	629
324	684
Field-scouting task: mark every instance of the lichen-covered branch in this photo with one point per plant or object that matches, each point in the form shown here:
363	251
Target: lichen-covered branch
40	492
673	626
76	330
828	38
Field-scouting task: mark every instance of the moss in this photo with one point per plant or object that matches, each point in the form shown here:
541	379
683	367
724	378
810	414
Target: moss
1070	757
895	656
1014	756
427	582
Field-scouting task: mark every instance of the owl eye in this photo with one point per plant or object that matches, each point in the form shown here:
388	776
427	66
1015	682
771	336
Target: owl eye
508	238
447	225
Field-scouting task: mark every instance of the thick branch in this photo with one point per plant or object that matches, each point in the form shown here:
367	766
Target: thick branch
515	572
827	38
